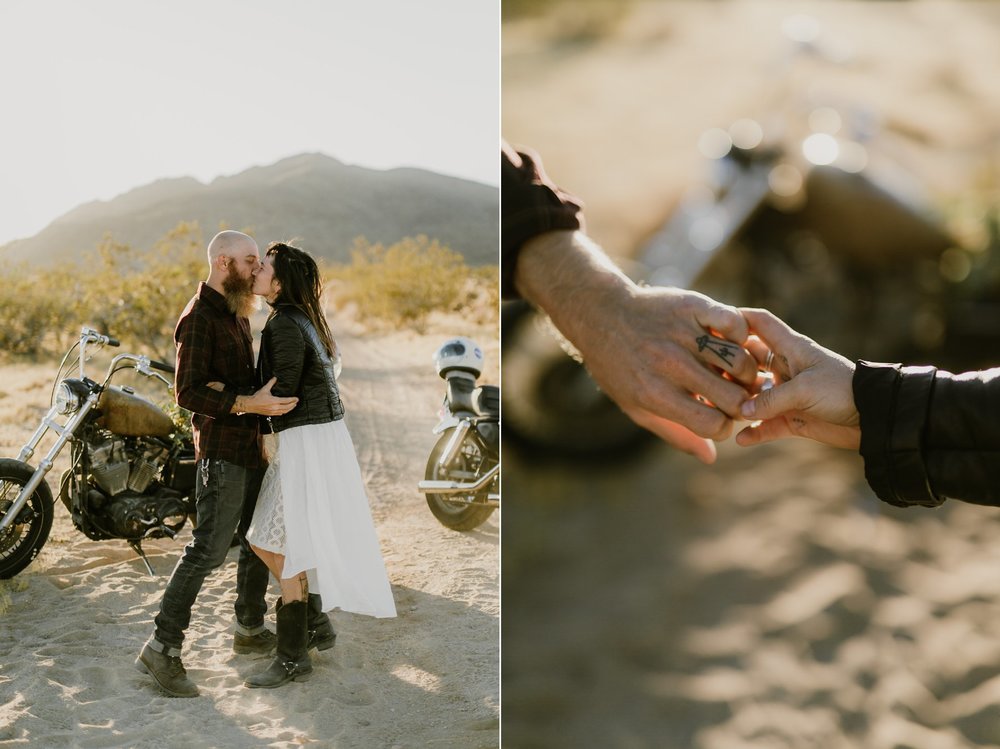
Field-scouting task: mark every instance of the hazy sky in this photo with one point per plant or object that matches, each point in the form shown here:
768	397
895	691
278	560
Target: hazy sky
102	96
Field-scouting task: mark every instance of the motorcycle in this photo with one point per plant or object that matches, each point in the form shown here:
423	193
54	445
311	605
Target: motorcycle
462	480
132	469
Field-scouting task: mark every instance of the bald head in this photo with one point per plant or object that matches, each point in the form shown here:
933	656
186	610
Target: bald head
233	259
230	243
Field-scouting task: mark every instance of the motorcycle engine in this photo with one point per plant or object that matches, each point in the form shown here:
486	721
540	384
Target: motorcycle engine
116	466
125	500
136	516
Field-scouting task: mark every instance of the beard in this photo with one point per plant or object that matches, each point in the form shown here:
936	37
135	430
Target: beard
239	295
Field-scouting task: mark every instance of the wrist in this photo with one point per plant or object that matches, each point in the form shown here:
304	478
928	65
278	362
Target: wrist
851	416
573	281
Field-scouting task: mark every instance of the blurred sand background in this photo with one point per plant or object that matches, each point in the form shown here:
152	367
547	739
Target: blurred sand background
769	600
73	622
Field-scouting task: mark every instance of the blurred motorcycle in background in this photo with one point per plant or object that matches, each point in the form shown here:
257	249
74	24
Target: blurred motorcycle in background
805	215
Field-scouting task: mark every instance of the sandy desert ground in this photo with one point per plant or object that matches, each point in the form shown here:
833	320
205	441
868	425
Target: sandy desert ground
769	601
72	623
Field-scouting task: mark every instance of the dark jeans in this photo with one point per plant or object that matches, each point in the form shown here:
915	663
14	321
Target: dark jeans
226	495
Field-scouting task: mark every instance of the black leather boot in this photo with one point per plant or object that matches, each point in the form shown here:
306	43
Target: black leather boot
321	634
291	661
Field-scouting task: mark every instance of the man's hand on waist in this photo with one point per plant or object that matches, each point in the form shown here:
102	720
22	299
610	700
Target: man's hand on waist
263	402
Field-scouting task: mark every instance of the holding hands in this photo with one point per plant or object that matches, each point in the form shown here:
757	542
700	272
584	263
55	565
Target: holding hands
685	366
678	363
928	434
805	389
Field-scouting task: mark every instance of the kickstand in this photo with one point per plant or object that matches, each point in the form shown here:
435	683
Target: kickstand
137	548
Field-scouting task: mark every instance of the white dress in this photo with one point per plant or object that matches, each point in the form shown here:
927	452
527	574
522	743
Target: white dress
313	509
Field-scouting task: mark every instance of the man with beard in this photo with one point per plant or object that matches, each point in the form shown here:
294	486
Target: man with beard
214	345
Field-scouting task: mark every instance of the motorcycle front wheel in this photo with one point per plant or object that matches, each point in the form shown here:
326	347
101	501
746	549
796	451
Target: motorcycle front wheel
452	509
24	538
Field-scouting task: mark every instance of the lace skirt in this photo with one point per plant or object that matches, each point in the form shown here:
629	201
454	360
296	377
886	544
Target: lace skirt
313	509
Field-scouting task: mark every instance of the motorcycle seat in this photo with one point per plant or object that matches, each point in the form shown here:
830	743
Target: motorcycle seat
463	395
488	400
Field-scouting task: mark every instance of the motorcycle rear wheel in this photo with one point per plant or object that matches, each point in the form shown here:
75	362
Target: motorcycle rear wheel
553	410
468	464
24	538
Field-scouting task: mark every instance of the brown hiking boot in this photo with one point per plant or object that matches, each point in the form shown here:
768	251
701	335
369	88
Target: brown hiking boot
167	670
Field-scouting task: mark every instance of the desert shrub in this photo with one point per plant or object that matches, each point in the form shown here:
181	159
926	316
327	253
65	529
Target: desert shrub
134	295
137	295
484	293
8	586
405	282
36	307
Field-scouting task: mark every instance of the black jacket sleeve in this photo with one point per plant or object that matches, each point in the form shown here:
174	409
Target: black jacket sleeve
928	435
530	204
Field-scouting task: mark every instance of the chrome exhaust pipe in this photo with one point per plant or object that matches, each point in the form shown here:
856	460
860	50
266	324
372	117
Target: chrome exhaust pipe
492	500
429	486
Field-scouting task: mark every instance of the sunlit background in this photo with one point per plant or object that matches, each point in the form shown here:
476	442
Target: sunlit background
838	162
102	97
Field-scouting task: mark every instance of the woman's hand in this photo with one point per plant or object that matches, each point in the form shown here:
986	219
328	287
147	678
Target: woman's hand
217	386
812	396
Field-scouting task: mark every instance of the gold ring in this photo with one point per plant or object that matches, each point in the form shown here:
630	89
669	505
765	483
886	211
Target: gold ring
769	361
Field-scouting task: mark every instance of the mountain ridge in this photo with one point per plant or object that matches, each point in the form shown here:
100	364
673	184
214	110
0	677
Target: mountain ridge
316	198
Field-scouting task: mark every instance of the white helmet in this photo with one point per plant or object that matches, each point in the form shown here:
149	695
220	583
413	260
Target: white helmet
459	355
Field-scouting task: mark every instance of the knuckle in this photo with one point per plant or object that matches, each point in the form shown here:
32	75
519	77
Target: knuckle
726	396
711	424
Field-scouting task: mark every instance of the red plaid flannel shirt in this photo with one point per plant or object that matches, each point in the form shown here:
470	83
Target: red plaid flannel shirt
214	345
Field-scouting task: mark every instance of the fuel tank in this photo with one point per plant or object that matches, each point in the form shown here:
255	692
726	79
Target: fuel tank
132	415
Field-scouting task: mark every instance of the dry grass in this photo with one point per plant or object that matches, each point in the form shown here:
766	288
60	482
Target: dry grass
407	282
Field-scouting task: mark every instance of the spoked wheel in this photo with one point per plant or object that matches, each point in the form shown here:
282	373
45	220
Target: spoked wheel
21	541
460	512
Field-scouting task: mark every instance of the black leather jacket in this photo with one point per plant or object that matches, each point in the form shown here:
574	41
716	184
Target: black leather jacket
928	435
291	350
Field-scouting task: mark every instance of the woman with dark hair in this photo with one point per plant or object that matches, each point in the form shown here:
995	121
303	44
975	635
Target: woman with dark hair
312	525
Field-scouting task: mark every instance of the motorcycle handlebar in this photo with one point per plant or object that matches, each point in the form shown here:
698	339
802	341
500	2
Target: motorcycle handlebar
161	366
89	335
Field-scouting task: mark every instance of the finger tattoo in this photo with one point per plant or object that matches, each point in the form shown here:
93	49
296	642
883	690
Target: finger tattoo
718	346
